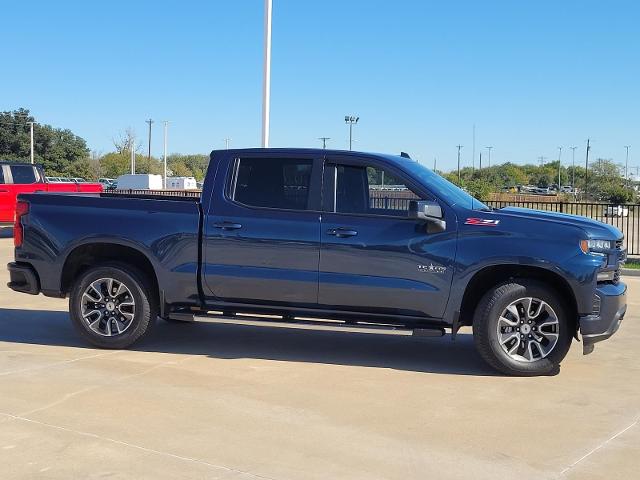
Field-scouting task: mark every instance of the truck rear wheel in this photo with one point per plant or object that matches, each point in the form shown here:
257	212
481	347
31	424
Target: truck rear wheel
112	305
521	328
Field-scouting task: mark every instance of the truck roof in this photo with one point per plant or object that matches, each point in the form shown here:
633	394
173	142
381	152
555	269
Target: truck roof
290	150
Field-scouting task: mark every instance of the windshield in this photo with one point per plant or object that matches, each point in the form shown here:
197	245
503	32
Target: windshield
441	187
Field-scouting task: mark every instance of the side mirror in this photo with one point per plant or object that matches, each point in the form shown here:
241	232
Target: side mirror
429	211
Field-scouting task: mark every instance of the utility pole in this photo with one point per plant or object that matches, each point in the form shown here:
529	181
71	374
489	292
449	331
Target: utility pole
586	169
489	160
473	150
164	156
133	155
459	178
480	167
626	166
573	168
351	120
559	164
226	143
266	83
149	154
542	158
32	146
435	163
324	141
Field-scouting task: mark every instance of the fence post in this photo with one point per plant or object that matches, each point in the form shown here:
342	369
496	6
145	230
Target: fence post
561	207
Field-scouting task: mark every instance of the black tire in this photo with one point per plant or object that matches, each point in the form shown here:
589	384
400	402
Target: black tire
485	328
144	315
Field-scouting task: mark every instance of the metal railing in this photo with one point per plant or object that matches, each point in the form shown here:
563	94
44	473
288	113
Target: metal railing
166	193
625	217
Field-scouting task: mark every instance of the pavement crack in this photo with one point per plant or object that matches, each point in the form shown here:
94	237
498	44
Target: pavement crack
137	447
55	364
602	445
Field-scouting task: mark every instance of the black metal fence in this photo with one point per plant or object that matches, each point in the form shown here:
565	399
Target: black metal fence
625	218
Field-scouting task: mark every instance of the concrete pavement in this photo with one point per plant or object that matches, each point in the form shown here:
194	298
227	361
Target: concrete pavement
235	402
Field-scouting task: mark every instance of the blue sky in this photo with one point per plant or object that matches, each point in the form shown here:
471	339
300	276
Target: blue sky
530	75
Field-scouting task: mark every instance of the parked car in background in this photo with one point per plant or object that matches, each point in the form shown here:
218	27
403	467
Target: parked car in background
17	178
107	183
616	211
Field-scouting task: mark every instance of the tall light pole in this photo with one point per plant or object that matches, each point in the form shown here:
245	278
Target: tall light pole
489	159
542	158
226	143
473	150
559	164
586	169
626	166
164	155
149	151
266	82
459	178
435	162
133	155
351	121
573	168
324	141
32	146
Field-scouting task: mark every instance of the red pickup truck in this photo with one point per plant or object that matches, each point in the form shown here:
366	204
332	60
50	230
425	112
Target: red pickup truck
16	178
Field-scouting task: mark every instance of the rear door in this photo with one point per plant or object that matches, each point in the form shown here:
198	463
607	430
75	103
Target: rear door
373	258
262	230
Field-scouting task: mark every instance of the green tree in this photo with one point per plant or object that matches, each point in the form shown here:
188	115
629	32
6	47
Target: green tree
60	151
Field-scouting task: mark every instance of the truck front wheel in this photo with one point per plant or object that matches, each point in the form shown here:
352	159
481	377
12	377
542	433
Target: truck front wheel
521	328
112	305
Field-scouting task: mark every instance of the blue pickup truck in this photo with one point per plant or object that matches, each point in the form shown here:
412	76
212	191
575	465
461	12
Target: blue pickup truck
345	239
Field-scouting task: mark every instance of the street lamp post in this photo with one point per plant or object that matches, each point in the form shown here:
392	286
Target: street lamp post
626	166
459	178
266	83
324	141
573	168
164	154
559	165
351	121
32	149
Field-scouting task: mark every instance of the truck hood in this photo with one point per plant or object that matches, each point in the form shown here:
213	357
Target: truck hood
593	228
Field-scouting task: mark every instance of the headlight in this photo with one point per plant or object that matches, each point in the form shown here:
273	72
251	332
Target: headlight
595	246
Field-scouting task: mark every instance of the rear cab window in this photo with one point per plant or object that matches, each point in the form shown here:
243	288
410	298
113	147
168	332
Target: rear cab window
280	183
23	174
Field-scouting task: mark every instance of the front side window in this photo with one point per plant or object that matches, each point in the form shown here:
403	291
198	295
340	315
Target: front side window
371	190
22	174
272	183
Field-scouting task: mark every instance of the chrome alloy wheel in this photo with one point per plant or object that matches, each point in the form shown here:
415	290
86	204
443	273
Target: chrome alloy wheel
108	307
528	329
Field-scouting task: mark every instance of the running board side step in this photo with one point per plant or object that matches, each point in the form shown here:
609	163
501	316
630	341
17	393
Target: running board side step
308	324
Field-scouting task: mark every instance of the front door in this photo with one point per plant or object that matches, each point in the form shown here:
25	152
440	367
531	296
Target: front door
262	232
373	257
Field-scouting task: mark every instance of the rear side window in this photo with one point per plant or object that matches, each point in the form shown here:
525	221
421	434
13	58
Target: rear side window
371	190
23	174
1	175
272	183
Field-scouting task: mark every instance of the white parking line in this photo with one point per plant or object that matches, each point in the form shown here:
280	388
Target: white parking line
598	447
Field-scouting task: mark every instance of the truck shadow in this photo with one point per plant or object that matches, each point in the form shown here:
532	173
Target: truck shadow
223	341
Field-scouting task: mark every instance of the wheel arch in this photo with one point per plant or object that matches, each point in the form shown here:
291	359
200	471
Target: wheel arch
490	276
87	255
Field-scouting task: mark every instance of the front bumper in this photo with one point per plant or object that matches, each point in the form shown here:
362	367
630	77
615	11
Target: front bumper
600	326
23	278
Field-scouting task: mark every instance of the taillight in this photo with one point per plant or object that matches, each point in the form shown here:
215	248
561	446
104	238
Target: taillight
22	208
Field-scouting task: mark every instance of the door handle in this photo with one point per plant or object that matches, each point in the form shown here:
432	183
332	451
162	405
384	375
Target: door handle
227	225
342	232
4	191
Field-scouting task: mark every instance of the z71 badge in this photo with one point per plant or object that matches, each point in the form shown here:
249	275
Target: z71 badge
484	222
